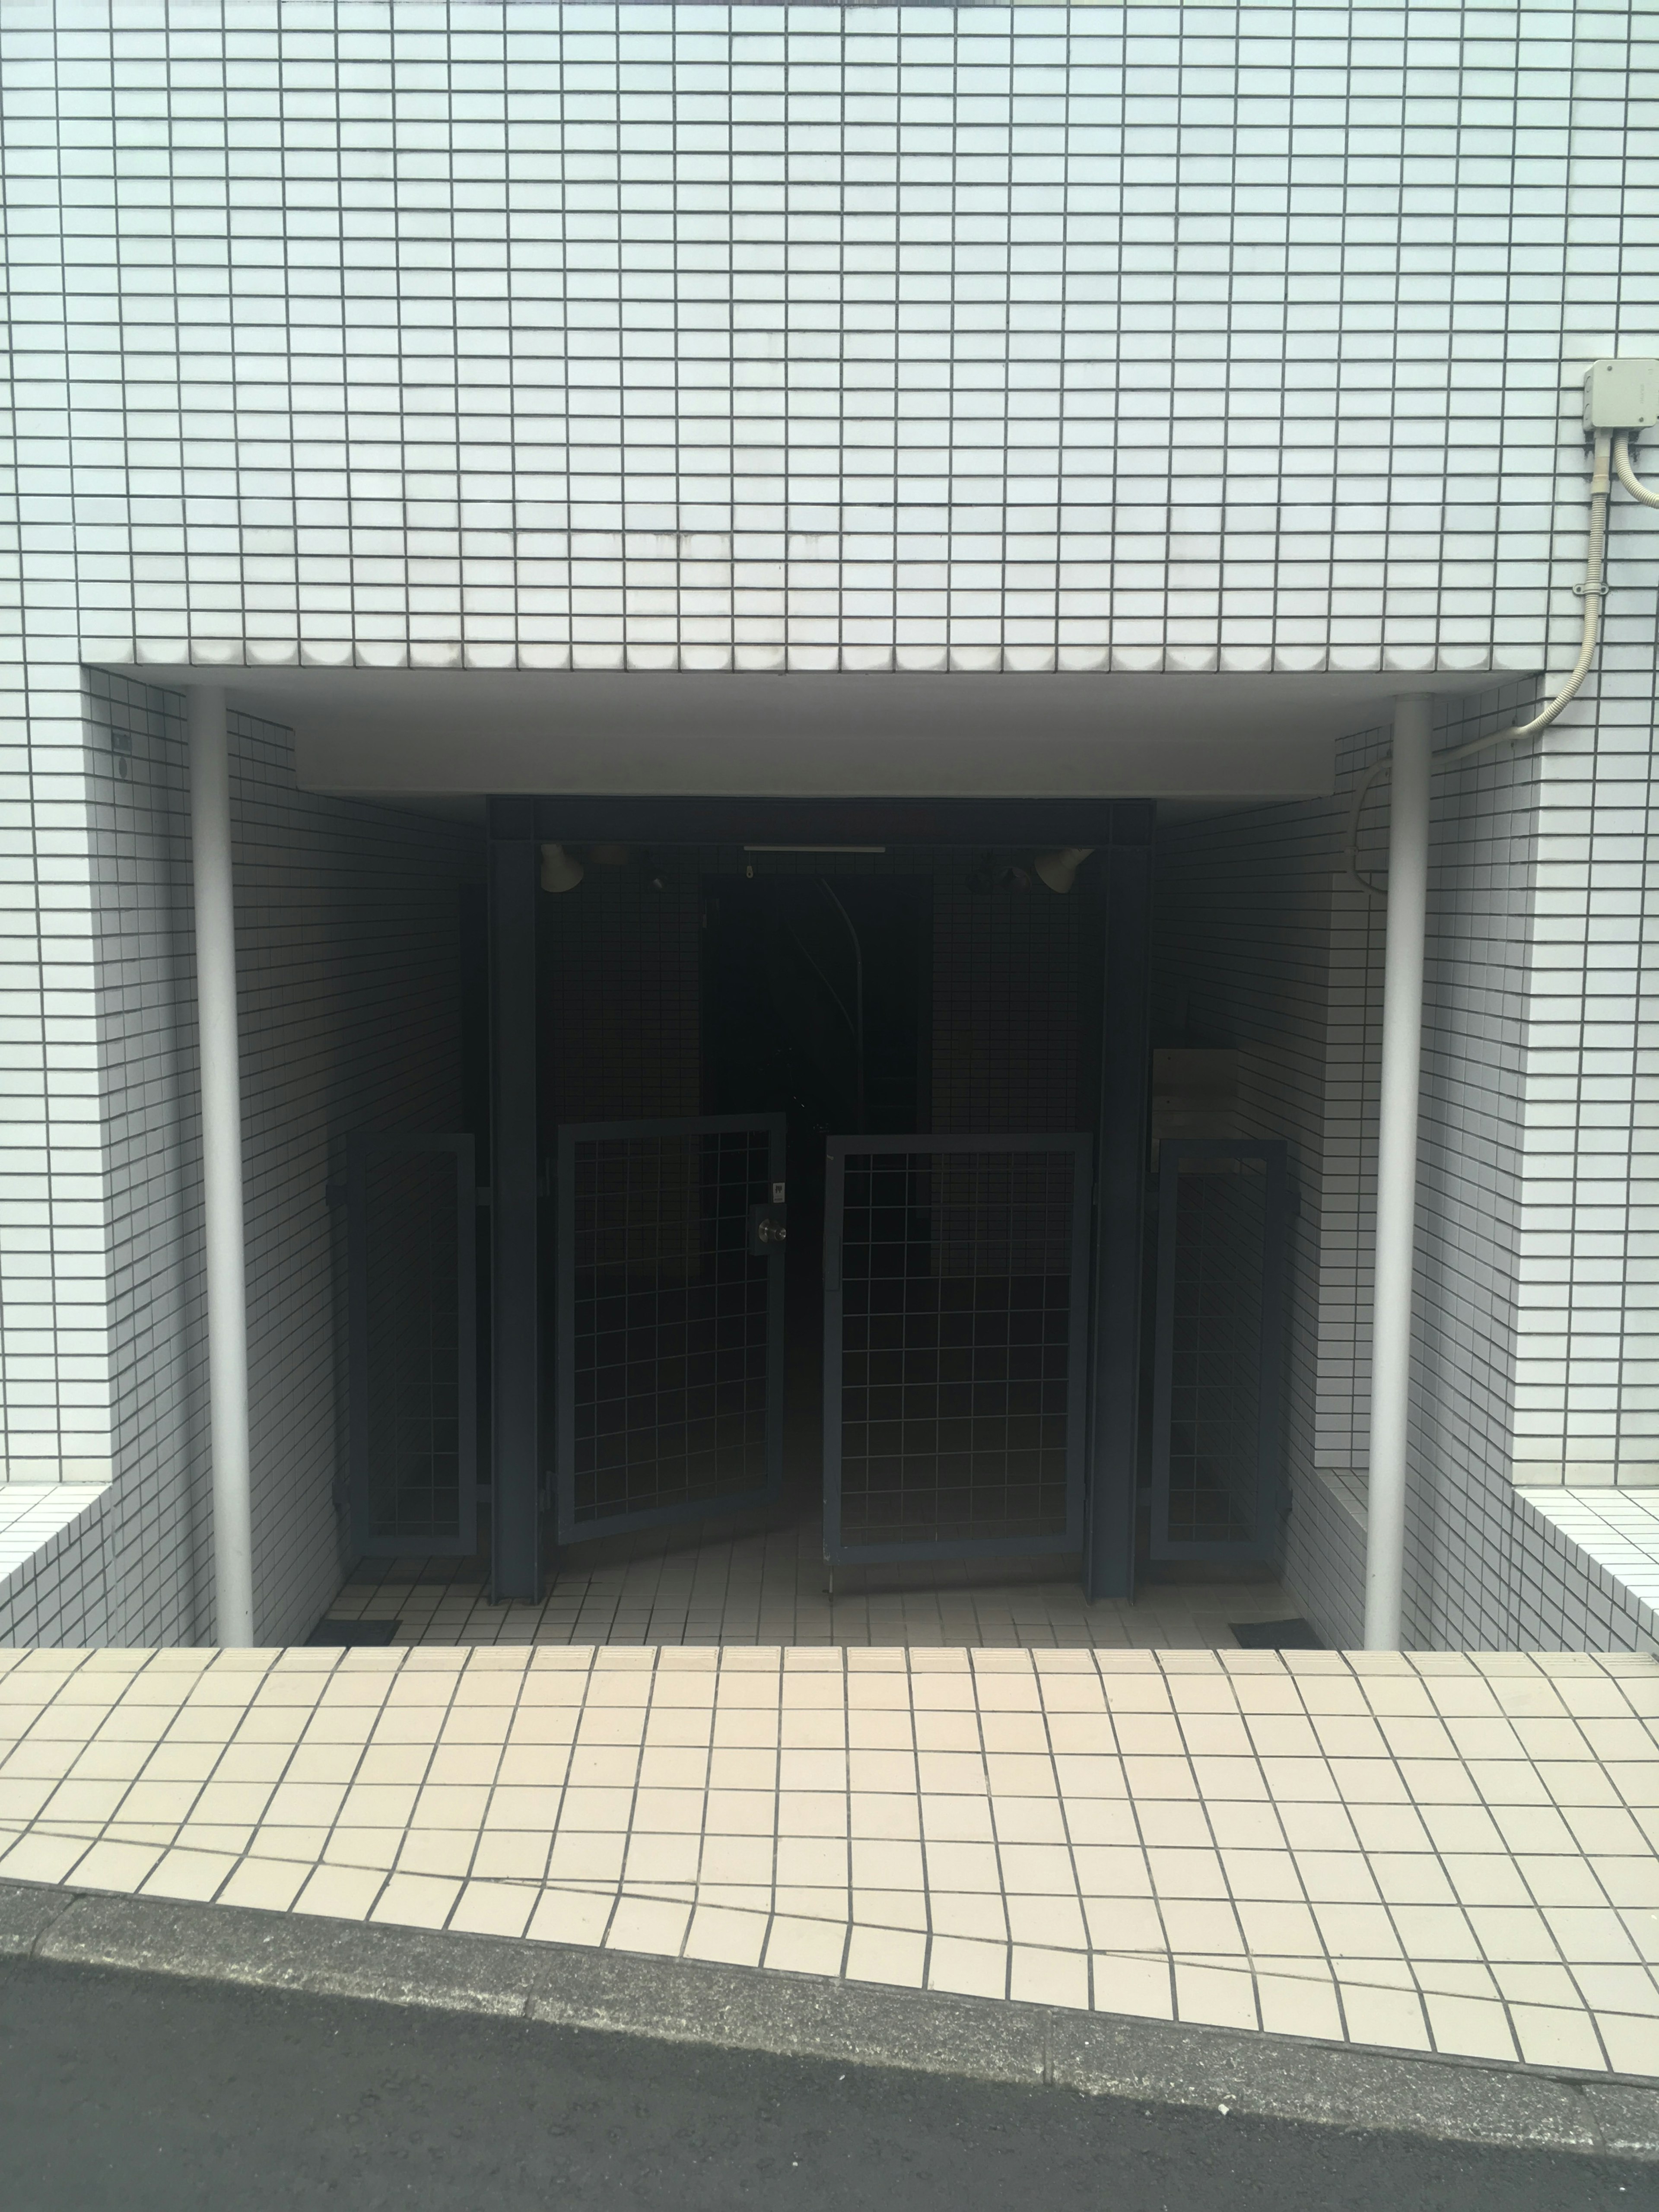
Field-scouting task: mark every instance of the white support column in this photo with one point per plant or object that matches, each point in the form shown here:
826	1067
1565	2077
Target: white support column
222	1166
1396	1172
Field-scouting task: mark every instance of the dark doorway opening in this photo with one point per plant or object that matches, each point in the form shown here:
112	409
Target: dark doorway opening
938	995
814	994
816	1005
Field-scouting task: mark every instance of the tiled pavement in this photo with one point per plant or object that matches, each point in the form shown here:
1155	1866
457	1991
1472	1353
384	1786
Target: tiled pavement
1440	1852
770	1590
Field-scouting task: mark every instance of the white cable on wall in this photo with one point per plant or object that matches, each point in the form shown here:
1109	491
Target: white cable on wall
1627	475
1593	590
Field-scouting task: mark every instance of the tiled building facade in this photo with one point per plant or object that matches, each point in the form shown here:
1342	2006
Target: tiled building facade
1208	343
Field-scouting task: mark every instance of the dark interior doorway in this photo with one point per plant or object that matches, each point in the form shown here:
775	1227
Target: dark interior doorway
639	985
817	995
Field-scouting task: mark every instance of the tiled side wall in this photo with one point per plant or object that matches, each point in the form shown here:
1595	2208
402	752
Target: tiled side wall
1587	1403
347	954
1587	1570
1241	957
1460	1529
1533	1331
54	1373
54	1563
1536	1321
1264	943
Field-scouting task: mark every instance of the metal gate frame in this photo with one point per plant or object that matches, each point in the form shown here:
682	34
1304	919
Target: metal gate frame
837	1151
571	1133
1270	1385
362	1146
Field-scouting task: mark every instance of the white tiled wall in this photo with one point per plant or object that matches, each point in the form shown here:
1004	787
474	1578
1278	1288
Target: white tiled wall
348	952
1200	337
1532	1050
1207	334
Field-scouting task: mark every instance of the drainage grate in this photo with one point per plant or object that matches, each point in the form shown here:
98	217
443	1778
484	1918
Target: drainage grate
1275	1636
344	1633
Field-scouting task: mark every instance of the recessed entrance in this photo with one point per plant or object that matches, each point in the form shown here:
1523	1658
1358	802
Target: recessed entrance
915	1009
821	1115
816	1171
816	980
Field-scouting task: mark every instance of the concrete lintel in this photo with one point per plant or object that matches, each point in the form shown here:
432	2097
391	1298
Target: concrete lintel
436	731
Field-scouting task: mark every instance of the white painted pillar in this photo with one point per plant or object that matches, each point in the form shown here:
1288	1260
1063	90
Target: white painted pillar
1396	1172
222	1165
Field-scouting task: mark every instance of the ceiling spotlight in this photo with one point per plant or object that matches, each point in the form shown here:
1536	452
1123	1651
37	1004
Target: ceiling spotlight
1058	869
559	871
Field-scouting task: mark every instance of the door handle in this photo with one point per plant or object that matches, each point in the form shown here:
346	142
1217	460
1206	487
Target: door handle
768	1229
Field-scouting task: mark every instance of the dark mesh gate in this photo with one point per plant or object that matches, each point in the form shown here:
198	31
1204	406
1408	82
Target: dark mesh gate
412	1229
669	1322
955	1319
1220	1349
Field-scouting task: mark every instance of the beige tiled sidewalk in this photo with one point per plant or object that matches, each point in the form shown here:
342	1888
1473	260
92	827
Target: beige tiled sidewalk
1440	1852
770	1590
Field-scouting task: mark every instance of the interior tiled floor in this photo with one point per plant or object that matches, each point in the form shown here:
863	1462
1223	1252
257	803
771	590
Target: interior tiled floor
1442	1852
770	1590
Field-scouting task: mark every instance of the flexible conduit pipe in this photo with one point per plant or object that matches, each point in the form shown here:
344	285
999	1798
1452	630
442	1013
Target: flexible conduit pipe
222	1166
1593	590
1413	761
1626	474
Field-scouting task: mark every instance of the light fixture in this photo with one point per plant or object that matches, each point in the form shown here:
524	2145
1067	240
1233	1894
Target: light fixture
559	871
1058	869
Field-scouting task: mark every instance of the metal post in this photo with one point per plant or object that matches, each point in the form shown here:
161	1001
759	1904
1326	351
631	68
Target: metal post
1108	1564
1396	1173
222	1166
514	1211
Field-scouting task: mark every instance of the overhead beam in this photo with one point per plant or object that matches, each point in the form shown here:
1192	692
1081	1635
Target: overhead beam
1001	822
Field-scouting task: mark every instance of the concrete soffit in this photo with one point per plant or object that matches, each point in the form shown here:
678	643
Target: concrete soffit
1181	733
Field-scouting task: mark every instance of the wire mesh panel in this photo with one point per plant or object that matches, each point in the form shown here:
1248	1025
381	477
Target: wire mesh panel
954	1315
1220	1349
669	1367
414	1384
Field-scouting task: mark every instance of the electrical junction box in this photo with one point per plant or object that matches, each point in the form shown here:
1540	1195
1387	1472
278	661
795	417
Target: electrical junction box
1622	395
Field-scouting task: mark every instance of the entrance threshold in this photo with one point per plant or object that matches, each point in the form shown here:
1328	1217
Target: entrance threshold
769	1589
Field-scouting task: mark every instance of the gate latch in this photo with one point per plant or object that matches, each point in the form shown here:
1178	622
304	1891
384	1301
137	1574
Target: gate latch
769	1227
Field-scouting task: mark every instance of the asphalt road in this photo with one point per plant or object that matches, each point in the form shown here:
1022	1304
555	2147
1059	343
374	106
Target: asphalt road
128	2092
